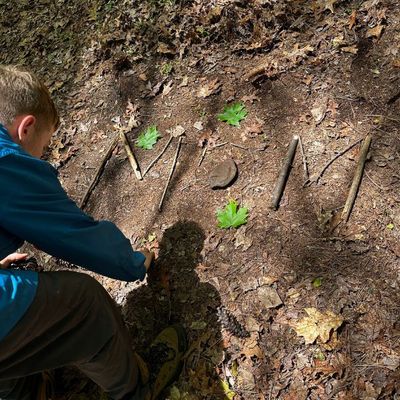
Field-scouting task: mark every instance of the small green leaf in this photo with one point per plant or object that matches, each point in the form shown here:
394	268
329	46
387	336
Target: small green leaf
233	114
151	237
198	325
230	217
317	282
390	226
148	139
319	355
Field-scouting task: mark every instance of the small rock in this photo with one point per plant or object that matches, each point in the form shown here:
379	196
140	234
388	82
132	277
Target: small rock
269	297
223	174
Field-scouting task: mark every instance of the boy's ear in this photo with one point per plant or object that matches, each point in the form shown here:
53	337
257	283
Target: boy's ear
26	127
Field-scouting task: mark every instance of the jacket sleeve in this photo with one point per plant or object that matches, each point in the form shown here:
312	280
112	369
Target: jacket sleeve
36	208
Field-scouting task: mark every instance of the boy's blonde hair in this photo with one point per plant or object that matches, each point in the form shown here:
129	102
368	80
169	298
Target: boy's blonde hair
21	92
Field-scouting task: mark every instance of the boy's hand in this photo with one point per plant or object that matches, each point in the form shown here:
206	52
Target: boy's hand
149	257
12	258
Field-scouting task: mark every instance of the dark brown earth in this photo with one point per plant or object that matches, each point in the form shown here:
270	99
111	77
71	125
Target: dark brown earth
325	70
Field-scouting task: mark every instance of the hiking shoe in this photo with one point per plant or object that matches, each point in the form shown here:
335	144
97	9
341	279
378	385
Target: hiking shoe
164	358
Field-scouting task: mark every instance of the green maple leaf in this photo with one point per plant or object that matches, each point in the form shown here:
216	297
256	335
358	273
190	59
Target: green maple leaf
148	138
233	114
230	217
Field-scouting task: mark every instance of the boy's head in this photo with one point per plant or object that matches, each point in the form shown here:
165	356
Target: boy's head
26	109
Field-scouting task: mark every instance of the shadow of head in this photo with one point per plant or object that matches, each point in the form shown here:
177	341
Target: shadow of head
175	294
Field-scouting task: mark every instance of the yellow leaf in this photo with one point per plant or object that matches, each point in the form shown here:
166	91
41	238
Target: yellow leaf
230	394
317	324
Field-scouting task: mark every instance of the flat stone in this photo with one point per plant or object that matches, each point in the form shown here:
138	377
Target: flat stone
223	174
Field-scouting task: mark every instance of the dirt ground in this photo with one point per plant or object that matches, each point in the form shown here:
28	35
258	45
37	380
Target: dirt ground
328	71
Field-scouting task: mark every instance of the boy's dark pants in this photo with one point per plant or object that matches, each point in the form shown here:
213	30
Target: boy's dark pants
72	321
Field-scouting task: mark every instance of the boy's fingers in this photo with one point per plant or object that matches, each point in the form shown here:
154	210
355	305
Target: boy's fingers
12	258
149	257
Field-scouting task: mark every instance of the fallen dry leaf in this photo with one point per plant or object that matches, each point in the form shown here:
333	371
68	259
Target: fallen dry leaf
329	5
300	52
185	81
352	19
211	87
251	347
350	49
132	112
163	48
375	32
176	131
167	88
396	63
253	129
308	80
317	324
251	98
332	107
242	240
319	110
198	125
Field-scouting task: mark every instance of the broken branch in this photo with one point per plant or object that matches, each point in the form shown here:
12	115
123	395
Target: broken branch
131	156
284	174
98	173
170	173
203	154
158	157
351	198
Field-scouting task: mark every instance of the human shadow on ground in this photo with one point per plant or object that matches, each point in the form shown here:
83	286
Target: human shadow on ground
175	295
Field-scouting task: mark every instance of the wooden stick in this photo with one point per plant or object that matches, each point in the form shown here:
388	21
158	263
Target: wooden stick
284	174
351	198
303	156
203	154
158	157
131	156
99	171
334	158
170	173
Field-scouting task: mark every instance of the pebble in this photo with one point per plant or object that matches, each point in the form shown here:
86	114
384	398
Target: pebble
223	174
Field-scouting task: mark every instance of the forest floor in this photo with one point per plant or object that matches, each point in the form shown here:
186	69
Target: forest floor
296	303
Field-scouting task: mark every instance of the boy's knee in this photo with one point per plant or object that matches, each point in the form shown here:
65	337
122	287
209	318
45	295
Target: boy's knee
91	285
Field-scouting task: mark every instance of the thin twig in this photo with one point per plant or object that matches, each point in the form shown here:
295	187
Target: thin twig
220	144
239	146
98	173
284	174
203	154
170	173
334	158
303	156
374	183
158	157
131	156
351	198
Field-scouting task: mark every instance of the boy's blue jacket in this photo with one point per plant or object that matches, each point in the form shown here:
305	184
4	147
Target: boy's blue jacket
35	208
